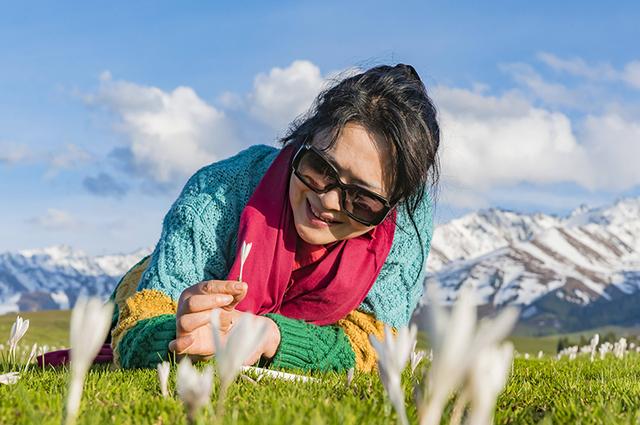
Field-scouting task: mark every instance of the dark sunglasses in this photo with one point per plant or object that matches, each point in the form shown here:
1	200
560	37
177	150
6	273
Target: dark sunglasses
319	175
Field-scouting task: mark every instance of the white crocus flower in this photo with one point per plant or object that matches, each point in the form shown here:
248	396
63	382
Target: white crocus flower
350	374
456	341
244	253
393	354
243	339
90	323
18	329
163	378
9	378
620	348
194	388
416	357
593	344
487	378
31	358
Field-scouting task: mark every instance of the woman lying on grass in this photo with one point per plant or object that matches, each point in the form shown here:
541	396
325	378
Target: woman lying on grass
340	220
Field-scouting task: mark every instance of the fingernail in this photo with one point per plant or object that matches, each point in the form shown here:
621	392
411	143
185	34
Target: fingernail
225	299
239	286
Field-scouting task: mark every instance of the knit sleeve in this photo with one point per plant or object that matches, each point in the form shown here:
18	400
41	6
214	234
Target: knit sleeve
181	258
197	243
395	294
336	347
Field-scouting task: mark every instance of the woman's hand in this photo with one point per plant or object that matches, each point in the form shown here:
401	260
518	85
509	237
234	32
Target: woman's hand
194	333
193	327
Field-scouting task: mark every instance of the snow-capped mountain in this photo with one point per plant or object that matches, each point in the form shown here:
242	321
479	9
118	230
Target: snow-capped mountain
54	277
565	272
543	263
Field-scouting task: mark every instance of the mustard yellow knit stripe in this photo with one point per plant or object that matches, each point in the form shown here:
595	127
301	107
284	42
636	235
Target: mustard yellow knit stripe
358	326
142	305
130	281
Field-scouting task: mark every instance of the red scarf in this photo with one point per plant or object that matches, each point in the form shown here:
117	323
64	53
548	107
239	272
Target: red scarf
318	283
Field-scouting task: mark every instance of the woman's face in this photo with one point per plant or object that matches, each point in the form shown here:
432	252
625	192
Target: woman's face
359	160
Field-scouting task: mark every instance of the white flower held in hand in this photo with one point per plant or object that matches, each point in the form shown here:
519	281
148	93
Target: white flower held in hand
18	329
163	377
244	253
90	322
194	388
9	378
393	354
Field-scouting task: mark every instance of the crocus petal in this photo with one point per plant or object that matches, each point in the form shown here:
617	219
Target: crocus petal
9	378
90	323
488	376
193	388
393	354
163	377
245	336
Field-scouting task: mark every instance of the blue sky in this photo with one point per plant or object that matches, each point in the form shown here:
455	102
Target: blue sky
106	110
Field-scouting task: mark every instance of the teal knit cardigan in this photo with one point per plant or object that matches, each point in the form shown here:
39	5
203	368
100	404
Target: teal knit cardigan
198	242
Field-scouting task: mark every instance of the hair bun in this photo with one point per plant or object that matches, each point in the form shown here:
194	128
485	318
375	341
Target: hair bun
409	70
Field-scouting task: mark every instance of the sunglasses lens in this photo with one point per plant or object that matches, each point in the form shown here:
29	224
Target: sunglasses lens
364	206
315	171
317	174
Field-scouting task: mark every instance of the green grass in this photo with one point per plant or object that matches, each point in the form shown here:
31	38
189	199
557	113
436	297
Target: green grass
539	391
45	327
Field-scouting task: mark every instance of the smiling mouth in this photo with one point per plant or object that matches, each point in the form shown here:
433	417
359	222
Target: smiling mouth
317	216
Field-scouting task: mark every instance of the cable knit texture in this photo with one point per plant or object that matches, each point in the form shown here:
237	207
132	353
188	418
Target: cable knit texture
311	347
198	243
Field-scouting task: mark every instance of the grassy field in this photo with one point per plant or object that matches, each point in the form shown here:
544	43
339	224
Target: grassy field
539	391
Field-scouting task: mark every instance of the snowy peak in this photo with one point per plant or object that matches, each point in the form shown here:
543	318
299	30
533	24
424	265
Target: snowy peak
591	256
482	232
53	277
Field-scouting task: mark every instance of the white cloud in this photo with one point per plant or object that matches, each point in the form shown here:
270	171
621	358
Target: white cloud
55	219
496	140
555	94
579	67
70	156
630	74
12	153
284	93
170	134
490	144
613	143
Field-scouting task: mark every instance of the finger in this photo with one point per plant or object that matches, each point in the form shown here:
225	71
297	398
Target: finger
186	323
230	287
189	322
197	303
181	344
238	297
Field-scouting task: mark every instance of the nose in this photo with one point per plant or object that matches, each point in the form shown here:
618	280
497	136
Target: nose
330	200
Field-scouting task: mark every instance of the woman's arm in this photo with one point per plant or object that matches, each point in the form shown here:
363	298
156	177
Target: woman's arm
197	243
338	347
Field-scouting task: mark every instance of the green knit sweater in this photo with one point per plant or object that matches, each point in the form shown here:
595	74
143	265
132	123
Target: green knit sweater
198	243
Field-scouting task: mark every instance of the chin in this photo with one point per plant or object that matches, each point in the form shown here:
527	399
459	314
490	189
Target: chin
314	237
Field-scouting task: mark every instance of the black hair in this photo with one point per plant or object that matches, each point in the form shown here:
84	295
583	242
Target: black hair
391	101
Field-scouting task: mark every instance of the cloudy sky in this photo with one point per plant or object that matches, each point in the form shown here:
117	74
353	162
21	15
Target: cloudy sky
106	111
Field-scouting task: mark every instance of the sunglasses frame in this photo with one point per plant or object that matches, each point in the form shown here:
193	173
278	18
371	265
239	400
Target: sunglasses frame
306	147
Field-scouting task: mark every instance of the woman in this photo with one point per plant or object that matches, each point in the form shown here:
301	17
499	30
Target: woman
340	220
